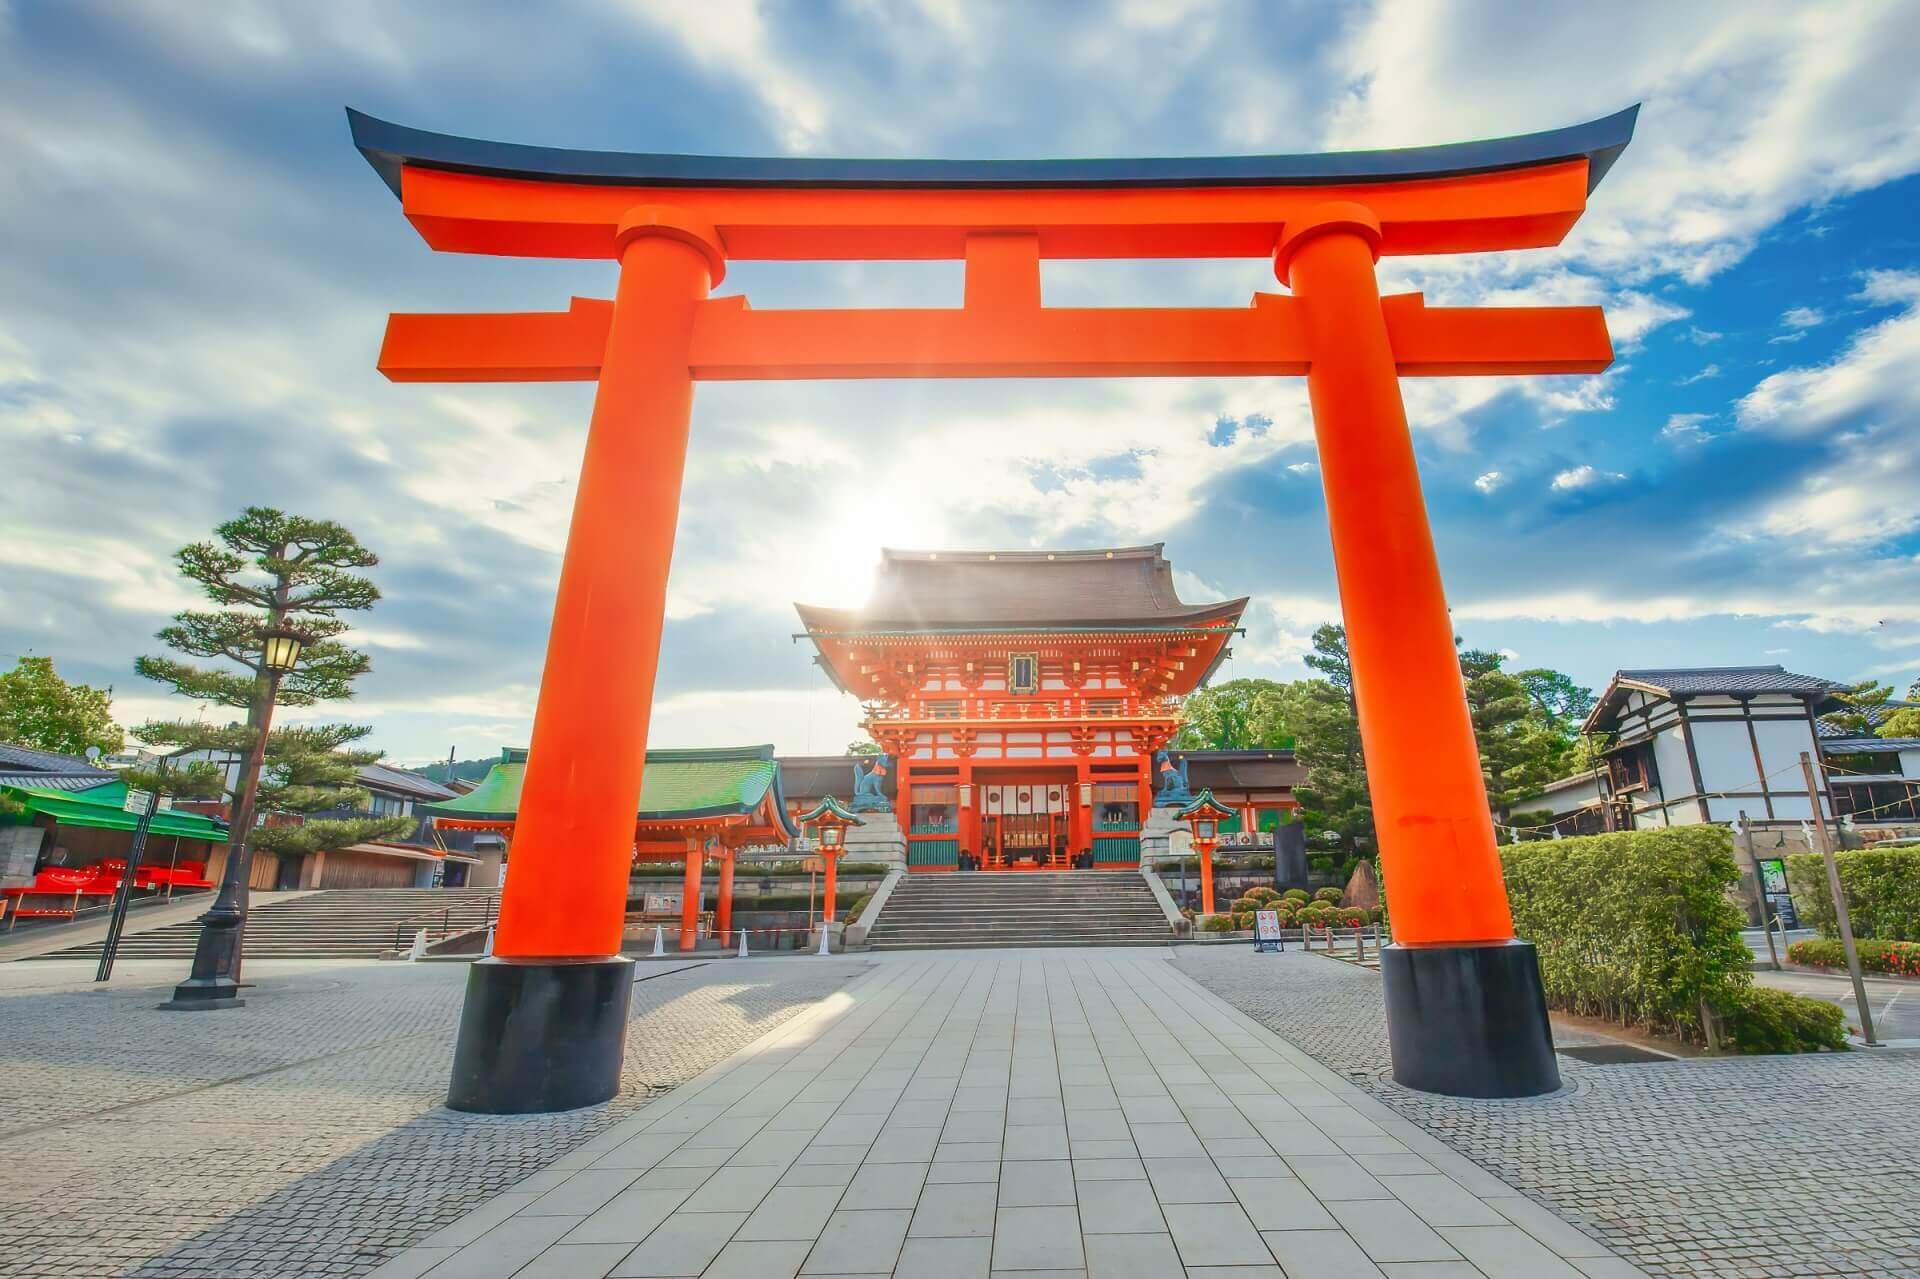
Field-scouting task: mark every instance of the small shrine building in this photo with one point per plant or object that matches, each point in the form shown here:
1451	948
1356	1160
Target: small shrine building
695	805
1021	696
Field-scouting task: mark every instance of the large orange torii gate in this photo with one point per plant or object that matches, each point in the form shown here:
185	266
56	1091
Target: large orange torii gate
1466	1012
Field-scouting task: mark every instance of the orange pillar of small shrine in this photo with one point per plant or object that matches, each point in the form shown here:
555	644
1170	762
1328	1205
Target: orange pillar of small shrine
723	908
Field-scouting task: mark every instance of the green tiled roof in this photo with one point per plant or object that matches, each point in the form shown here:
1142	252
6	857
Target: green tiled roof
828	804
677	785
100	807
1202	803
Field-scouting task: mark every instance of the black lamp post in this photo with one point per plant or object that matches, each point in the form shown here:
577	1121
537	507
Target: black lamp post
214	981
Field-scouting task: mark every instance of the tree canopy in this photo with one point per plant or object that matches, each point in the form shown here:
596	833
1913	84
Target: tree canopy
40	710
1526	724
1241	714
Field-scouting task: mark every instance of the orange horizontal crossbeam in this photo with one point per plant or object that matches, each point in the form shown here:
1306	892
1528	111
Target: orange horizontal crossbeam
526	217
733	342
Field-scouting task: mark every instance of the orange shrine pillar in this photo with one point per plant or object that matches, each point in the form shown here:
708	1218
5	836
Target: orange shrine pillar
1466	1010
1206	875
723	908
690	897
828	889
544	1027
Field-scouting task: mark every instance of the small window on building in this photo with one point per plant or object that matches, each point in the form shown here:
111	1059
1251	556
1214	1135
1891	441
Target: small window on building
1104	708
1023	673
943	710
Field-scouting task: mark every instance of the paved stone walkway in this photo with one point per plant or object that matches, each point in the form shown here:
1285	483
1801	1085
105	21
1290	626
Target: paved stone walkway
1747	1166
1056	1113
301	1136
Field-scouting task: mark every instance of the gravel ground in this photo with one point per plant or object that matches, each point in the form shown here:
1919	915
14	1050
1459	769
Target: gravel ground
1756	1166
302	1135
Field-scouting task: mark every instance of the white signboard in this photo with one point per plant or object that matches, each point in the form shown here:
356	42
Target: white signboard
1266	925
19	850
137	801
662	904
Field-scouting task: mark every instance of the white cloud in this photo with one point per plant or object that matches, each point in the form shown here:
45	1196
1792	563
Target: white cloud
1685	428
1582	477
1802	317
730	38
1489	481
1705	374
1749	114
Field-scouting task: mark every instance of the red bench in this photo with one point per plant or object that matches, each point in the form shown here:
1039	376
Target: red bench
58	891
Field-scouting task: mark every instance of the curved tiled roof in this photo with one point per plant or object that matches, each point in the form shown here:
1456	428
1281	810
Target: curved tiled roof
677	785
1122	586
1700	681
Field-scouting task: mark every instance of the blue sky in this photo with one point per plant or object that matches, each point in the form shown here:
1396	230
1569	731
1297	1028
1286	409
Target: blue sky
197	266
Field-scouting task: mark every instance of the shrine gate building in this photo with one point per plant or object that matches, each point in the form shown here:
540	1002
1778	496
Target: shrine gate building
1022	696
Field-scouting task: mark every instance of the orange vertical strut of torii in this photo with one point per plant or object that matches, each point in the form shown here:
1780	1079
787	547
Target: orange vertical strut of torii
674	222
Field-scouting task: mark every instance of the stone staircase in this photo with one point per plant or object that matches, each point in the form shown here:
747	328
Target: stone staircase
337	923
1020	908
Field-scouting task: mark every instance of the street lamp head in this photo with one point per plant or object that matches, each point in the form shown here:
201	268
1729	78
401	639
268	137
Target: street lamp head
1203	829
829	836
280	649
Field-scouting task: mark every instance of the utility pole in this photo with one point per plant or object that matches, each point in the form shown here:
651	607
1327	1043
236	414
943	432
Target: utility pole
1839	903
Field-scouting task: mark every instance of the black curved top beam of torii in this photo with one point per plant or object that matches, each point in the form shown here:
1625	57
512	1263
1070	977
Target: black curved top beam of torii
388	147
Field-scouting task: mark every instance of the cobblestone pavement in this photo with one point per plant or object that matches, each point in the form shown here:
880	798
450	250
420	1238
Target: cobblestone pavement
1019	1114
302	1135
1757	1166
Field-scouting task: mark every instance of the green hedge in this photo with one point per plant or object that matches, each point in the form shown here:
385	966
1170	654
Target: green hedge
1760	1020
1636	926
1901	958
1882	887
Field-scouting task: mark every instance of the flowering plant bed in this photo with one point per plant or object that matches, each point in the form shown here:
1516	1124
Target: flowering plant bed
1894	958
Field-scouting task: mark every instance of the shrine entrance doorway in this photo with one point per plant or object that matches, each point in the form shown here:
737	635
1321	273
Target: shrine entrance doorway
1026	820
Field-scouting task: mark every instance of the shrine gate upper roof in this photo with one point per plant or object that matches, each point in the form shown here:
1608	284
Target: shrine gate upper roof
390	147
1123	587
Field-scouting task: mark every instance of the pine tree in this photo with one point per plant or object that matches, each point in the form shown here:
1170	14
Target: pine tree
1335	803
272	571
1522	746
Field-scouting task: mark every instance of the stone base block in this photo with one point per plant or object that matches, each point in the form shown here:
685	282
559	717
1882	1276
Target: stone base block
1469	1020
541	1035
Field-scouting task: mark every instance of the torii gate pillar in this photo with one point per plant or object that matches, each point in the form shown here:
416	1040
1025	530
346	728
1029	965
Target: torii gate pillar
545	1019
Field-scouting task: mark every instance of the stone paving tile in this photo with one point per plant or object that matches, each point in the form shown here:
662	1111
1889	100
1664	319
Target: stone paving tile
929	1125
302	1136
1726	1168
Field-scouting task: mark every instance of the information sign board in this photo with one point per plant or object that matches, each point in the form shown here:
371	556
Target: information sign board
1266	930
1773	883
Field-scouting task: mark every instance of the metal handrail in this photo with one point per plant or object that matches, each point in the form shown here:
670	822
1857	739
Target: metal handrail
445	915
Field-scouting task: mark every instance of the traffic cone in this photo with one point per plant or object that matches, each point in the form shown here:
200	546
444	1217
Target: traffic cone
823	942
419	946
659	942
743	943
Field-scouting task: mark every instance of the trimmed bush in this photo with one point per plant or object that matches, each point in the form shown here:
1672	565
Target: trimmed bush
1882	887
1331	896
1636	927
1265	895
1217	924
1900	958
1297	895
1762	1020
1353	917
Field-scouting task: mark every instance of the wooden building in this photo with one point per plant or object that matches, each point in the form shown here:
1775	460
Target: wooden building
1706	744
1022	696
